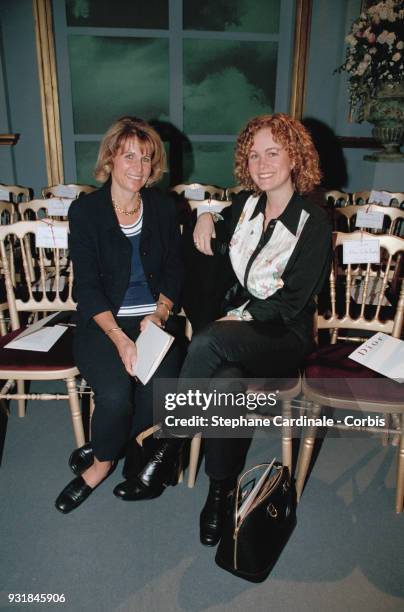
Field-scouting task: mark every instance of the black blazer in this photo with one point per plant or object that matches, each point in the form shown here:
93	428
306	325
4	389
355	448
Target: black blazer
101	253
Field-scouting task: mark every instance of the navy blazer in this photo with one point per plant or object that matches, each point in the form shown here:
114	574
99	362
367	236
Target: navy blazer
101	253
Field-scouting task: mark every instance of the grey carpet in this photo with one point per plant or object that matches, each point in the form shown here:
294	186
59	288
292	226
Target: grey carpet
108	555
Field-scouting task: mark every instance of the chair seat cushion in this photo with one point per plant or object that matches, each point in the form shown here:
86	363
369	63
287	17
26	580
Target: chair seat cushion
59	357
272	384
329	371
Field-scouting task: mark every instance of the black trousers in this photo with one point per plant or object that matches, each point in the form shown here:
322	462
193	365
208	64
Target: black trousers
237	349
123	407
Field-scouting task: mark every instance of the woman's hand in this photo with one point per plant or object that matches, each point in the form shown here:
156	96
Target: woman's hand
155	318
203	233
127	351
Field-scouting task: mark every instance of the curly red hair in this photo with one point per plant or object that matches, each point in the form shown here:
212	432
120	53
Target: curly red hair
291	134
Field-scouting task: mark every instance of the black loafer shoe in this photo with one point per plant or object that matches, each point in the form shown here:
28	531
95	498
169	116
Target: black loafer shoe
134	490
81	459
73	495
215	511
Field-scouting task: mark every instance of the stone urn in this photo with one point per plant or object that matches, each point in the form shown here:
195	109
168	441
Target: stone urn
386	112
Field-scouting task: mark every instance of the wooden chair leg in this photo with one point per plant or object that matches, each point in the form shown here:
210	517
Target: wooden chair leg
193	459
400	471
21	402
287	436
75	411
306	452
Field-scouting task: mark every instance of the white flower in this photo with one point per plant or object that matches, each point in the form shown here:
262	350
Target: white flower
382	37
362	68
351	40
400	44
396	57
390	38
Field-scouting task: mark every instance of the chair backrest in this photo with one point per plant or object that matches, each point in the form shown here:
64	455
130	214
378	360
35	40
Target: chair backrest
37	278
360	294
230	191
30	211
66	191
337	199
392	218
16	193
52	208
395	199
208	190
7	213
209	205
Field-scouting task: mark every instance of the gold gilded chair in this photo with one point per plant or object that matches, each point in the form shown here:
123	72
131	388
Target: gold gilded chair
230	191
71	190
42	269
333	380
337	199
17	193
396	199
391	222
8	213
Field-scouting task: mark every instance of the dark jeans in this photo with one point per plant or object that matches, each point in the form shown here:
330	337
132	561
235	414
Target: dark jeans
123	407
237	349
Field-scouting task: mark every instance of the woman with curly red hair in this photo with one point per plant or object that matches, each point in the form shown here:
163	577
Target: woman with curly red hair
279	246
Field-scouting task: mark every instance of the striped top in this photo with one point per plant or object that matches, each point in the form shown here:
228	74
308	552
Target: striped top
138	300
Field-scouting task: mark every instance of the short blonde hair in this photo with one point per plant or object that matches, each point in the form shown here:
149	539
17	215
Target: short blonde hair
297	141
123	129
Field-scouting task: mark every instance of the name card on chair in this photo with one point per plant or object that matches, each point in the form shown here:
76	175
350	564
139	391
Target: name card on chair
51	237
371	219
383	354
64	191
5	195
379	197
194	193
58	207
361	251
41	340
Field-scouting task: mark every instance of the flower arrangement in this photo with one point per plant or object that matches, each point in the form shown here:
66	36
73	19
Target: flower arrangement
374	57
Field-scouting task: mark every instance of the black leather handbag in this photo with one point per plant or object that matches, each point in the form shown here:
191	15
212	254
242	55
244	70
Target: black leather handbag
260	524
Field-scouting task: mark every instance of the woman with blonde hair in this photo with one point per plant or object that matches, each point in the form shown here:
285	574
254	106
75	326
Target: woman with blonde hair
125	247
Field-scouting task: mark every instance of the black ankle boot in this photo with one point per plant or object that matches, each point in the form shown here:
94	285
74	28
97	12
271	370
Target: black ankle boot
159	468
215	510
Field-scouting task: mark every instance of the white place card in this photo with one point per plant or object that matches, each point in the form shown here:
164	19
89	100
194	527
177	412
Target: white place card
383	354
194	193
38	325
361	251
58	206
210	208
371	219
5	195
50	237
64	191
379	197
41	340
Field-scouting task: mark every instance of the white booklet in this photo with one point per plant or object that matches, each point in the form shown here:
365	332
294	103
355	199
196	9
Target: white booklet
383	354
253	494
41	340
152	345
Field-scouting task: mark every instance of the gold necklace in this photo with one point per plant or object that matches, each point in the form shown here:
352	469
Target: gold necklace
128	212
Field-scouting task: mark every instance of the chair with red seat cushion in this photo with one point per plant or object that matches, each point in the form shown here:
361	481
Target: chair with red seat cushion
35	287
332	379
